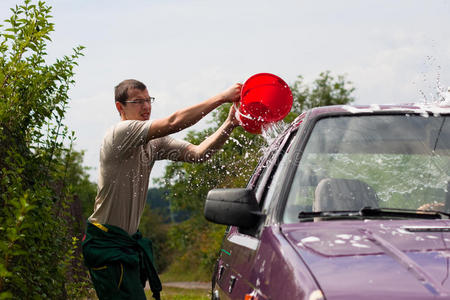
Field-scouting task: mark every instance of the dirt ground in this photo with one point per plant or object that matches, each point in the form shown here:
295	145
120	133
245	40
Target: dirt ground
189	285
186	285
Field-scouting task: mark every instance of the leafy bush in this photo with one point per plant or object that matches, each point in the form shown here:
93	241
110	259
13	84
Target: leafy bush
36	191
194	242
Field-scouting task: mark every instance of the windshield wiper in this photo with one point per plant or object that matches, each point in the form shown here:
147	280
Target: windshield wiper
327	214
400	212
374	212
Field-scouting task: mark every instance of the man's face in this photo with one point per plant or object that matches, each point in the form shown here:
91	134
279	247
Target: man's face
140	110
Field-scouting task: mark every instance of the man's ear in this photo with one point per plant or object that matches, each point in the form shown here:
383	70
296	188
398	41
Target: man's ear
119	107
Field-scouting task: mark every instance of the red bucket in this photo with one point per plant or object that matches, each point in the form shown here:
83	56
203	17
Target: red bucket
265	98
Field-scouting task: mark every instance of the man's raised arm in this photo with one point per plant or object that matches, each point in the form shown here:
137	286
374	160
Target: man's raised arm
204	151
187	117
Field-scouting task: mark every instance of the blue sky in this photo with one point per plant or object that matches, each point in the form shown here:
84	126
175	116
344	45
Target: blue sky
187	51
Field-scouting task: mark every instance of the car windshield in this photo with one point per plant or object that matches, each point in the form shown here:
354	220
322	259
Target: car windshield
379	161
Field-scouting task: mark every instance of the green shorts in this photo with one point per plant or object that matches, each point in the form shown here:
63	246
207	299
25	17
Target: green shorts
117	281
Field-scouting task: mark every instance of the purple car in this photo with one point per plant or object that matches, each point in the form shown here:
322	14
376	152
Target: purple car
350	202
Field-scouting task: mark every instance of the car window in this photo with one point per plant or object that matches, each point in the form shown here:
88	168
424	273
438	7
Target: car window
263	171
394	161
265	166
275	184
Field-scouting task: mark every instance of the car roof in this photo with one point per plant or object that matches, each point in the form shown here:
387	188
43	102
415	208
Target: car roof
434	108
425	109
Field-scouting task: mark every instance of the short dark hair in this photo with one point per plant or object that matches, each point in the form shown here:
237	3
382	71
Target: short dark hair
121	90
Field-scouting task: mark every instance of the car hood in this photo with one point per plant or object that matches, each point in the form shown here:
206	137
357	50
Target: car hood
376	259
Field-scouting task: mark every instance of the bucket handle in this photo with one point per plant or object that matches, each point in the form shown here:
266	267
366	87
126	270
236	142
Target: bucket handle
239	113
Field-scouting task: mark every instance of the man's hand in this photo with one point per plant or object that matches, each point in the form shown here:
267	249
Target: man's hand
432	206
232	116
233	93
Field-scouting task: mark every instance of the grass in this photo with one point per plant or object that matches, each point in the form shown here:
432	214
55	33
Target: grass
177	272
171	293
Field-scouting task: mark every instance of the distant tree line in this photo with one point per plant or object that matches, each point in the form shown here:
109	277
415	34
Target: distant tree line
158	202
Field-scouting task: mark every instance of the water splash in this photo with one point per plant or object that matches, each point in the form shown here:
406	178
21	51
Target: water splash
446	97
269	134
434	91
272	130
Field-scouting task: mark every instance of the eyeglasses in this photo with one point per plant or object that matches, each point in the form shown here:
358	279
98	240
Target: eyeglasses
141	101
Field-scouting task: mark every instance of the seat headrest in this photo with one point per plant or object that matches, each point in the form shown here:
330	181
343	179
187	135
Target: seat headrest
334	194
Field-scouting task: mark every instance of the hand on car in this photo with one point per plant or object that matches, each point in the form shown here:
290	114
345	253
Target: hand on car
432	206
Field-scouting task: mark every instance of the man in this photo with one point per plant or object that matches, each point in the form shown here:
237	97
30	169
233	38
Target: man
119	259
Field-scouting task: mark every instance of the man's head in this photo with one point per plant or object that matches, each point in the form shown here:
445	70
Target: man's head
132	100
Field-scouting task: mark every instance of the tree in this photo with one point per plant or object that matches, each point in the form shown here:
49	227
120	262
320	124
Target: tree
188	184
154	227
36	155
325	90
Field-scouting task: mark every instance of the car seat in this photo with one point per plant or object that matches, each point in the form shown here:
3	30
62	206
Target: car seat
337	194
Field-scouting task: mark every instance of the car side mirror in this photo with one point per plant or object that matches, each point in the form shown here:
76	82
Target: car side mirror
236	207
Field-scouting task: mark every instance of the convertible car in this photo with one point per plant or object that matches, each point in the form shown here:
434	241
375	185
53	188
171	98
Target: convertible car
350	202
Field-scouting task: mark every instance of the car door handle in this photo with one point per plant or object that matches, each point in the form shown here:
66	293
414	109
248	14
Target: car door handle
220	273
232	282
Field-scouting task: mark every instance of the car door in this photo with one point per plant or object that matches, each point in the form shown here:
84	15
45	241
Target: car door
236	256
235	274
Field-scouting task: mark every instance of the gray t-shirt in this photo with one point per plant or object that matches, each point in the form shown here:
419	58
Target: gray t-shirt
126	159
